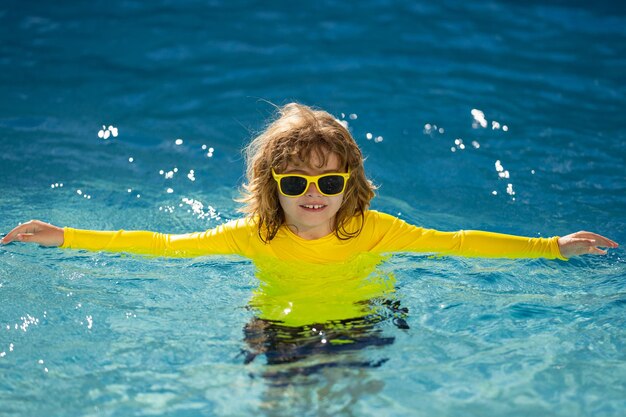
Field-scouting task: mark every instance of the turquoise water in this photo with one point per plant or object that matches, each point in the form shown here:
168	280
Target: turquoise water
113	335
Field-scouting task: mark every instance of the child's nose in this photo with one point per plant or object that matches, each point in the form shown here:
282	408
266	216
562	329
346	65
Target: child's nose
312	190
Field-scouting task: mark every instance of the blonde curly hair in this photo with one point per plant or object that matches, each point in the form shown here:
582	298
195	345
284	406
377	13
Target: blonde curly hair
297	132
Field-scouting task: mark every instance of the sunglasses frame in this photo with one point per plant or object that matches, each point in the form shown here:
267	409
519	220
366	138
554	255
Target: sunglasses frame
311	179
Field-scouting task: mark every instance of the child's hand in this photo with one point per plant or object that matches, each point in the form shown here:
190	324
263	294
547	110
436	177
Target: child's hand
36	231
580	243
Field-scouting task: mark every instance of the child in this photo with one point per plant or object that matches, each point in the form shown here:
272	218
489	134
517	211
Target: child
306	203
306	199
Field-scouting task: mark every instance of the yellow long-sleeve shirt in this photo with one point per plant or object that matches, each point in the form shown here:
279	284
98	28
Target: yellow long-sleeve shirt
320	280
381	233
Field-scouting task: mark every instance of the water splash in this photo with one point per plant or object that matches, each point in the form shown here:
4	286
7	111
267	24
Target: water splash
202	212
431	129
105	132
480	121
83	194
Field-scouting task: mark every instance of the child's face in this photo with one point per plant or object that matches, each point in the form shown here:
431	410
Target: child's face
312	215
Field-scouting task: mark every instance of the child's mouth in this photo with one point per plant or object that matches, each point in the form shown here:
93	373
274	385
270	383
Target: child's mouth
313	207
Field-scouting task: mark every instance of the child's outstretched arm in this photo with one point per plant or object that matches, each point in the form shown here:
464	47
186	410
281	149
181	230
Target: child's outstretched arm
395	235
36	231
581	243
227	239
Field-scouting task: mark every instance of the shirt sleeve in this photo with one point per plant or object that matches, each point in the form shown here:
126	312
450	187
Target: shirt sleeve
230	238
395	235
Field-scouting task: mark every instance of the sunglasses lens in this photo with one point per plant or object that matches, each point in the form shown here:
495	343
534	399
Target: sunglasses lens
293	185
331	184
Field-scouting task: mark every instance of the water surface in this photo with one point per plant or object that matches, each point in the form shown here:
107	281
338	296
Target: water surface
115	335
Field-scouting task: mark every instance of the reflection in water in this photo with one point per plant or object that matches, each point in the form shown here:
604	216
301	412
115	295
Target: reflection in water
319	329
328	392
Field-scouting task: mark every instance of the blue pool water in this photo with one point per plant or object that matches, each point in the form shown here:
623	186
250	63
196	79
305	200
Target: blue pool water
94	334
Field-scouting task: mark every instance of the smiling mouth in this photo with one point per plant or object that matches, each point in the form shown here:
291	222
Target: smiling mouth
313	206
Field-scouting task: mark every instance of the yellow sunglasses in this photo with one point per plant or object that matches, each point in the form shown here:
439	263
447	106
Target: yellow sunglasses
295	185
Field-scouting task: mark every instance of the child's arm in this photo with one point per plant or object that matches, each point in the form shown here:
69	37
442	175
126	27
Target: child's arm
581	243
226	239
36	231
395	235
